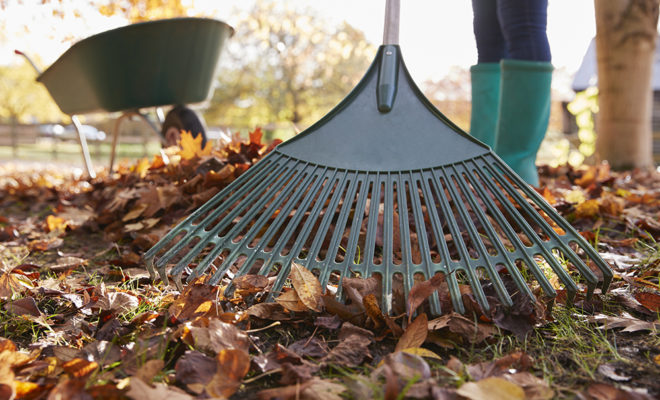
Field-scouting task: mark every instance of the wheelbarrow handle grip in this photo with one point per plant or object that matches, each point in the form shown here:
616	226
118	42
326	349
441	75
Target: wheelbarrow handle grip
20	53
391	31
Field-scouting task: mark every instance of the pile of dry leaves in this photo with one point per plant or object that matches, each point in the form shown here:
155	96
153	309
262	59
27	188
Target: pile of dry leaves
81	319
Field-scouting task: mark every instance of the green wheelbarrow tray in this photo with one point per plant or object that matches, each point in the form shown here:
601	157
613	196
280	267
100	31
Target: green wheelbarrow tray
147	64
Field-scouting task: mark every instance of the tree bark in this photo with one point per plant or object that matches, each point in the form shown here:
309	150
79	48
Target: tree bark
625	46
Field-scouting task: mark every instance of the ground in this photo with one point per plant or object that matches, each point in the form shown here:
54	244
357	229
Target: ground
82	318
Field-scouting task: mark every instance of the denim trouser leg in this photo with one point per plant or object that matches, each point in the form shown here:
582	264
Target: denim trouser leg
514	29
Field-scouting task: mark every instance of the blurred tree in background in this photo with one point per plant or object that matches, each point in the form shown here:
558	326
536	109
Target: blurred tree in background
286	65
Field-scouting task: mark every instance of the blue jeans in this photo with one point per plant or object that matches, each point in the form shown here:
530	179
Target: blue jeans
513	29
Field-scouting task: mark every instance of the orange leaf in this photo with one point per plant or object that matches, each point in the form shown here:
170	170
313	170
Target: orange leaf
415	334
192	147
649	300
255	136
79	368
233	365
373	309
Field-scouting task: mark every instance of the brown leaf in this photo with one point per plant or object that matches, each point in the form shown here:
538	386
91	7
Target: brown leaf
250	282
284	392
602	391
291	301
272	311
469	331
422	290
195	368
415	334
626	321
357	288
519	361
149	370
24	306
350	351
219	336
352	312
372	309
233	365
492	389
138	390
649	300
307	286
70	389
13	285
535	388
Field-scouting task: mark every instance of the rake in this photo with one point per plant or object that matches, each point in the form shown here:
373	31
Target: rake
384	184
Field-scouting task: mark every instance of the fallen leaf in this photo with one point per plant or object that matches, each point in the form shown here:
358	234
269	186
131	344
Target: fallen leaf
138	390
291	301
323	389
233	365
219	336
626	321
414	335
195	367
149	370
307	286
54	223
272	311
518	362
118	302
491	389
422	352
609	371
534	388
470	331
79	368
603	391
24	306
649	300
191	147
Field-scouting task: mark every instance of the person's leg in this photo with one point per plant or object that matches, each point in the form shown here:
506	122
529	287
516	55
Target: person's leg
525	85
485	75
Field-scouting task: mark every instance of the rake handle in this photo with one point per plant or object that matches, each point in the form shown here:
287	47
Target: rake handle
391	30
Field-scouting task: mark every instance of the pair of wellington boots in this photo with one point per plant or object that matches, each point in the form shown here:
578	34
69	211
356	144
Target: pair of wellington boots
511	109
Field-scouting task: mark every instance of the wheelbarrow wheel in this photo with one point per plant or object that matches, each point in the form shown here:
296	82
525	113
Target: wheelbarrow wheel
182	118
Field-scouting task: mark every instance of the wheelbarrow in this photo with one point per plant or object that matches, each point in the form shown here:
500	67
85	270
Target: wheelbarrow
144	65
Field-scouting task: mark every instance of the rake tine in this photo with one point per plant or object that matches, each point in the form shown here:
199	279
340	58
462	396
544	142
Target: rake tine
579	264
260	184
502	293
571	287
449	266
330	182
358	215
511	235
224	243
245	181
458	240
574	236
404	233
318	239
388	227
467	221
372	223
273	227
425	249
335	241
291	184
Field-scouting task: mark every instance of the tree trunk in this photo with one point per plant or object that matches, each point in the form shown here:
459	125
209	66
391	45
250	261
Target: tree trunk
625	46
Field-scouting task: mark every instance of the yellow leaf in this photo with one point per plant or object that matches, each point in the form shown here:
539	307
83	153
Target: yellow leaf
575	196
422	352
55	223
491	389
587	209
307	286
192	147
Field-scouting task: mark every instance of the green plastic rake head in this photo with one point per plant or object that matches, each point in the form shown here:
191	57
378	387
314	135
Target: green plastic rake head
384	184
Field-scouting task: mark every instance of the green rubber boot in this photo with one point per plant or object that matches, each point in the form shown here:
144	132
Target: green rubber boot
485	101
524	114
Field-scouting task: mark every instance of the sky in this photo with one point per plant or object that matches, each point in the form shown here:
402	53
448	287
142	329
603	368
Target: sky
434	34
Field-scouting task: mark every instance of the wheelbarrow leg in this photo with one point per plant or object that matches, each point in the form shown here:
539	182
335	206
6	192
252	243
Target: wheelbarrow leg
83	147
115	138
